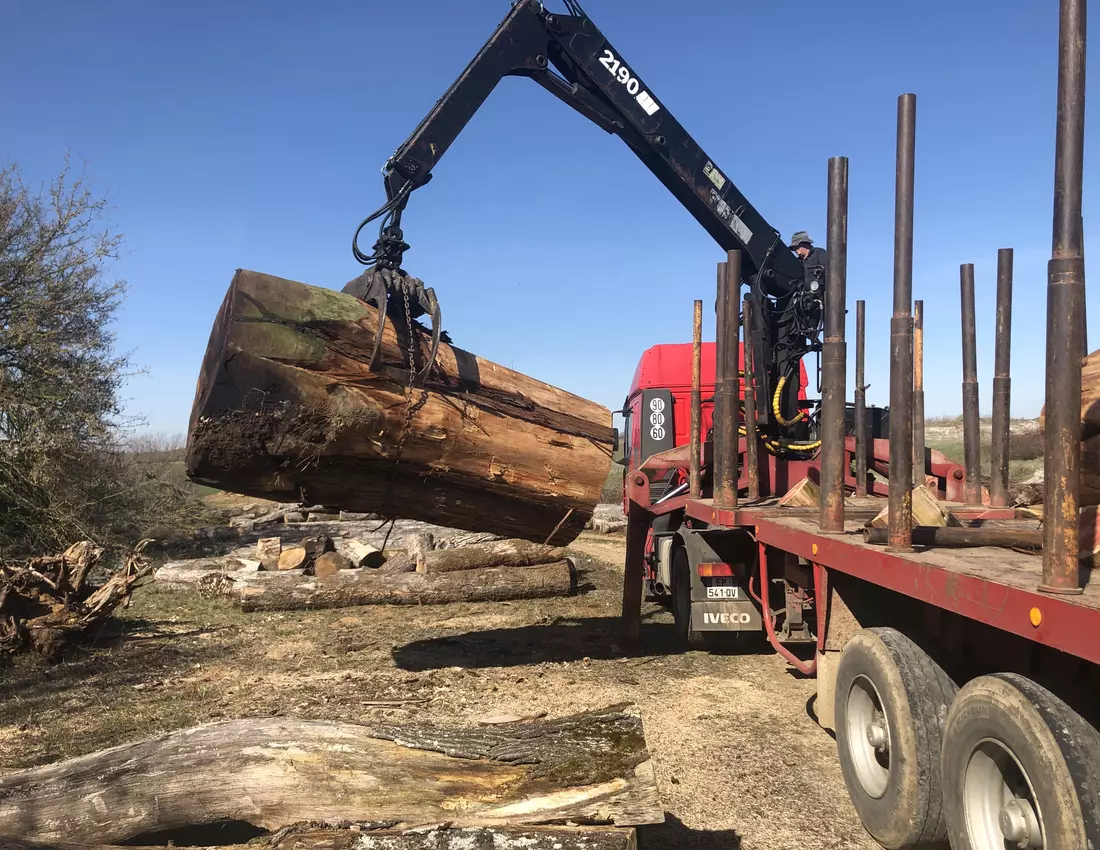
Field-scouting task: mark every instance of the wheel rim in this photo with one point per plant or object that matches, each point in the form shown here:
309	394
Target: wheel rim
868	737
999	800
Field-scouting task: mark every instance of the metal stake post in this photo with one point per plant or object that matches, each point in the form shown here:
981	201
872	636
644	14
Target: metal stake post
972	434
694	480
861	402
1002	382
1065	315
901	336
919	467
752	459
834	358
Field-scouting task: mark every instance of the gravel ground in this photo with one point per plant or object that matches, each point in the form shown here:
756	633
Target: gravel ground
740	762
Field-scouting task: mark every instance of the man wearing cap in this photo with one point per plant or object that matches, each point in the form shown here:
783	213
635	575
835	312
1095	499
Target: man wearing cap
813	259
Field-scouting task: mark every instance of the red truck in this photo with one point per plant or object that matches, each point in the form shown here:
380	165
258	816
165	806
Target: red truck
957	661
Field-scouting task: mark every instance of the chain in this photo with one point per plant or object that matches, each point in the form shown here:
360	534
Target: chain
410	411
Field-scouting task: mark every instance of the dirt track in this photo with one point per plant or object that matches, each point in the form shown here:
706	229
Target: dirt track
740	762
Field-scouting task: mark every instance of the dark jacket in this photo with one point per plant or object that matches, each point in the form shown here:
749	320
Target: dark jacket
816	258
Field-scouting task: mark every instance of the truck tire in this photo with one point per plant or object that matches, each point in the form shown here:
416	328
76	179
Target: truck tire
890	705
1020	768
686	637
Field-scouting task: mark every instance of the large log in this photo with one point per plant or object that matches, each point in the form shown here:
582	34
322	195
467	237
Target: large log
286	408
275	772
273	592
495	553
446	838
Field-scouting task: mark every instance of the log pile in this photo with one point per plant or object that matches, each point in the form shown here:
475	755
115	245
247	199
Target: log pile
313	575
48	603
273	773
287	408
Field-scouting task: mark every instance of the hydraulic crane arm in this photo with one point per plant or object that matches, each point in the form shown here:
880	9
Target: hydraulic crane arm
593	79
568	56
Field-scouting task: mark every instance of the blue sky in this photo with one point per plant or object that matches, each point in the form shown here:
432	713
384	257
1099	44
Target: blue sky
237	134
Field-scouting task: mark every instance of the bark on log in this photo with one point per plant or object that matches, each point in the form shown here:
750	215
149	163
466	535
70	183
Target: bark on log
461	838
286	407
275	772
366	587
497	553
268	550
939	536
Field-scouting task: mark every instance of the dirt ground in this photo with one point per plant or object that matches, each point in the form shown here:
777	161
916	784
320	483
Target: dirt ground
740	762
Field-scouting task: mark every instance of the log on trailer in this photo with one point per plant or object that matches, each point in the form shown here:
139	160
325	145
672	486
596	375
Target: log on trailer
444	838
287	408
347	588
496	553
275	772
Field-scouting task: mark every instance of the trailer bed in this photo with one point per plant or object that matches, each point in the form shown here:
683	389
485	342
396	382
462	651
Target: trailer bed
994	585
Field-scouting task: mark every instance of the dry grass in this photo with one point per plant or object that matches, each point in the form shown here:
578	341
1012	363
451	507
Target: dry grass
717	725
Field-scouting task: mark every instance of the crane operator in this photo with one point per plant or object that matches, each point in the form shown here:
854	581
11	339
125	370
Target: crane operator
813	259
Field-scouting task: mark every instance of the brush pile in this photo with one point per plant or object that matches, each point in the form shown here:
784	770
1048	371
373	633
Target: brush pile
49	603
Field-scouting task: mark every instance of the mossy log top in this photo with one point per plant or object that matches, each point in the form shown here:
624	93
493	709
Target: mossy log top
274	772
287	408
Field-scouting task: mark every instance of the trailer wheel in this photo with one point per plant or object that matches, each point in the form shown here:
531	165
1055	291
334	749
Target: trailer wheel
686	637
891	701
1020	769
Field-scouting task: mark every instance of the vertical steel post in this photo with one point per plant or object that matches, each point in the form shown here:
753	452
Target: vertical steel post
972	428
861	402
1065	315
727	383
1002	382
901	335
717	414
752	459
695	441
919	468
834	355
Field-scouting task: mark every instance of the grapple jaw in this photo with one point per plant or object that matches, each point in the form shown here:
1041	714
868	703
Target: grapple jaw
402	298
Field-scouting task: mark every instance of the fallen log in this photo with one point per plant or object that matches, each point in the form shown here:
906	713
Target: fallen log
444	838
47	603
286	405
939	536
497	553
275	772
347	588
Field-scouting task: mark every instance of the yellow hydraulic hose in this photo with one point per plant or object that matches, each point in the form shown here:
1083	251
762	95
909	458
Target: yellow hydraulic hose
775	406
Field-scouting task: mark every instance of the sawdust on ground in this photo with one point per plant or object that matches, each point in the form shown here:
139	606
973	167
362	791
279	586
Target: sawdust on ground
740	762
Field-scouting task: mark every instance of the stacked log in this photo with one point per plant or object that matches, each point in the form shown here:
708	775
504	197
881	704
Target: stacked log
288	409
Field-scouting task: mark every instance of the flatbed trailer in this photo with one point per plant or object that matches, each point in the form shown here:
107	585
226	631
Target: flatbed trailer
962	684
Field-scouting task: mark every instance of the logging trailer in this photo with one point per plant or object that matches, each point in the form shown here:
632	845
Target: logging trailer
959	667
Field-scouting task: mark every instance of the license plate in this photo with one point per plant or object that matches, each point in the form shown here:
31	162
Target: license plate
724	592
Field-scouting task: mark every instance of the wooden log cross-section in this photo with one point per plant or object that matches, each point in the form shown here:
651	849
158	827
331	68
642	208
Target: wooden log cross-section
275	772
288	409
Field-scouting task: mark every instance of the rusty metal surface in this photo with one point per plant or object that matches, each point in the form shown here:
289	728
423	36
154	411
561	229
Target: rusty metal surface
861	400
1002	382
834	355
718	413
919	459
695	438
901	333
972	436
1065	315
728	382
752	442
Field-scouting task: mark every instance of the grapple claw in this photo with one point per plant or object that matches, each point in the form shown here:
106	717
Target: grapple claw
431	308
377	286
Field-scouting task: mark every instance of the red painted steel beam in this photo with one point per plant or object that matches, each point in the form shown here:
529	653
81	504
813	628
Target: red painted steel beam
1062	625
